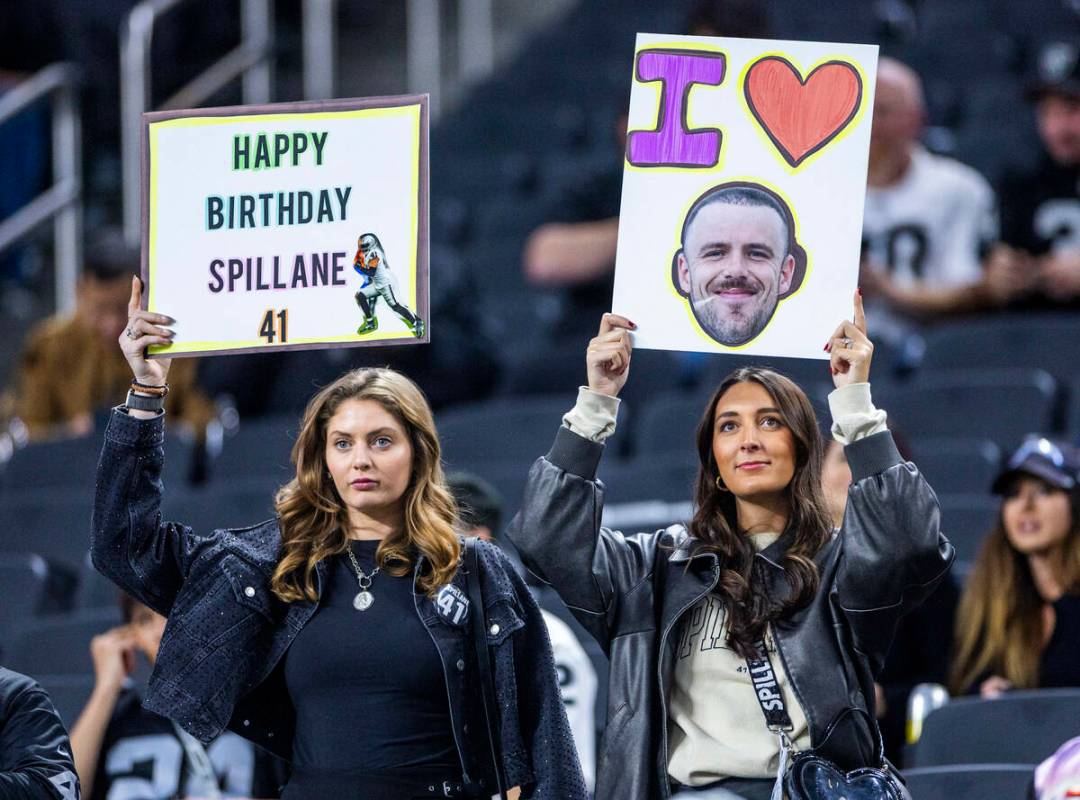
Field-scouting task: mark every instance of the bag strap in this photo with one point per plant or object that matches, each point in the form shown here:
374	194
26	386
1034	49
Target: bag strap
771	699
767	691
483	660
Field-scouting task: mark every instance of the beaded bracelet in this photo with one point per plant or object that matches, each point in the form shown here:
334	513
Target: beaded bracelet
142	388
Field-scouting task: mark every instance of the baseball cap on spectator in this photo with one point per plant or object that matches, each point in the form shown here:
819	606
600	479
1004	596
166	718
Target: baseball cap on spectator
1056	463
1057	71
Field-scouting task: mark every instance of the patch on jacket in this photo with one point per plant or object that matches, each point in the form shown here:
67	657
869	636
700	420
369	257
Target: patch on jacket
452	605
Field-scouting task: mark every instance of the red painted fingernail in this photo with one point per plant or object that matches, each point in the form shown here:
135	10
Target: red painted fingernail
828	347
859	290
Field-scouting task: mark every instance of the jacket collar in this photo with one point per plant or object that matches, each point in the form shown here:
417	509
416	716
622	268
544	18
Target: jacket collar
684	545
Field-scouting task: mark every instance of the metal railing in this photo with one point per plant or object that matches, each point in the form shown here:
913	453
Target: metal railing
423	39
251	60
62	202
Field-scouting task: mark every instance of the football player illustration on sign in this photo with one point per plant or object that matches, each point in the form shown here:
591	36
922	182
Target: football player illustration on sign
378	281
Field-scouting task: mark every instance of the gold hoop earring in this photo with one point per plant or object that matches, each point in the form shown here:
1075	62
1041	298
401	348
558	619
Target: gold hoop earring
720	484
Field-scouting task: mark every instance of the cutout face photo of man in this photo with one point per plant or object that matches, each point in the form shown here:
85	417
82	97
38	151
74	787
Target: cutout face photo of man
738	259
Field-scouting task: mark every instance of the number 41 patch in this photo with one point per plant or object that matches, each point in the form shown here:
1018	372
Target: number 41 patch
452	605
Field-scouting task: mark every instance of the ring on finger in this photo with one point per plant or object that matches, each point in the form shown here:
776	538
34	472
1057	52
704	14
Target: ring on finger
847	343
130	333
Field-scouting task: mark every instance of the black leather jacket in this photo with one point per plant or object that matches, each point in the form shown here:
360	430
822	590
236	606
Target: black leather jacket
35	754
631	592
221	658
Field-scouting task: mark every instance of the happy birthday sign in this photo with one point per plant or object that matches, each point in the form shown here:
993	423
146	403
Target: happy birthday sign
295	225
744	179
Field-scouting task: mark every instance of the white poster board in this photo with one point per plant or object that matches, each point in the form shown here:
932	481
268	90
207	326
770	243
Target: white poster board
288	226
743	186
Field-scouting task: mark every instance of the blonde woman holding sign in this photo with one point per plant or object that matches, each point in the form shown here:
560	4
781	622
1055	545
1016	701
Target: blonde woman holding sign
748	640
354	634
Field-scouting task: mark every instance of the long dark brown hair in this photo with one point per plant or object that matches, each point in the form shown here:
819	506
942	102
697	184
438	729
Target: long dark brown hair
715	525
999	626
314	520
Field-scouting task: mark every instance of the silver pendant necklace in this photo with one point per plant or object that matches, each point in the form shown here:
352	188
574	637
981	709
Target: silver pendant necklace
364	598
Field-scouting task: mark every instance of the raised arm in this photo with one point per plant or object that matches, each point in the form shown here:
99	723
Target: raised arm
129	542
558	529
893	552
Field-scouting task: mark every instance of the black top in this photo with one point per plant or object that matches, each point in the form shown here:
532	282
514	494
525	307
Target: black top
1060	665
1041	208
368	686
142	752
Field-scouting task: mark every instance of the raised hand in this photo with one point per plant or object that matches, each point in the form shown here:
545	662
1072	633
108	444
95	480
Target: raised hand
144	328
850	349
608	357
113	654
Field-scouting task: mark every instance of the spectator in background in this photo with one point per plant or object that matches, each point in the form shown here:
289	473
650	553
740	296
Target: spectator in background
70	368
920	648
480	512
35	756
123	749
1041	207
927	219
1018	624
575	250
479	505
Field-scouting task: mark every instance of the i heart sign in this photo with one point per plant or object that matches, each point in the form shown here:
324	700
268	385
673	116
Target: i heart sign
802	116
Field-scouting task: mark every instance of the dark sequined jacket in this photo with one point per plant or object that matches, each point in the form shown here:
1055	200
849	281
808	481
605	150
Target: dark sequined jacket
220	663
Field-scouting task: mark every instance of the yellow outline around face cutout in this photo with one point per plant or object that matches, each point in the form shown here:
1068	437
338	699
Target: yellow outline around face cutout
685	301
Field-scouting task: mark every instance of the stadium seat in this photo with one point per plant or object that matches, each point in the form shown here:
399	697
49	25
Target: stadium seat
668	477
998	404
519	429
23	585
69	694
966	520
73	462
223	504
1016	728
956	465
259	447
95	591
1027	341
668	425
60	644
1073	422
970	782
55	523
532	370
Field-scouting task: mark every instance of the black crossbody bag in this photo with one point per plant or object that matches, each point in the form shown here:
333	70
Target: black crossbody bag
809	776
483	662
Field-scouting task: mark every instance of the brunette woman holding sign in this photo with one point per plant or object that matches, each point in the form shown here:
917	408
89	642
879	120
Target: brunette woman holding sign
348	635
749	640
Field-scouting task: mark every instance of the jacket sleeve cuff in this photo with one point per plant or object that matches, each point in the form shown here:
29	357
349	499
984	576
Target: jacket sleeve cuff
593	415
871	455
853	413
575	454
126	430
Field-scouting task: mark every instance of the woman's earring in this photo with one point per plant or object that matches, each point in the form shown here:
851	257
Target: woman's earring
720	484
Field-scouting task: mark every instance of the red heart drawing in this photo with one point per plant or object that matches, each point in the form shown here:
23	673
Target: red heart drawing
802	116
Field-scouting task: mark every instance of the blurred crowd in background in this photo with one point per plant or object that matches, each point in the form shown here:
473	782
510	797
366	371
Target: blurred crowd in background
970	269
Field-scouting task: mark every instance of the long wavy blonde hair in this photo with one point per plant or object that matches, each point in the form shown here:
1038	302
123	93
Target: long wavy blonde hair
999	627
313	518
